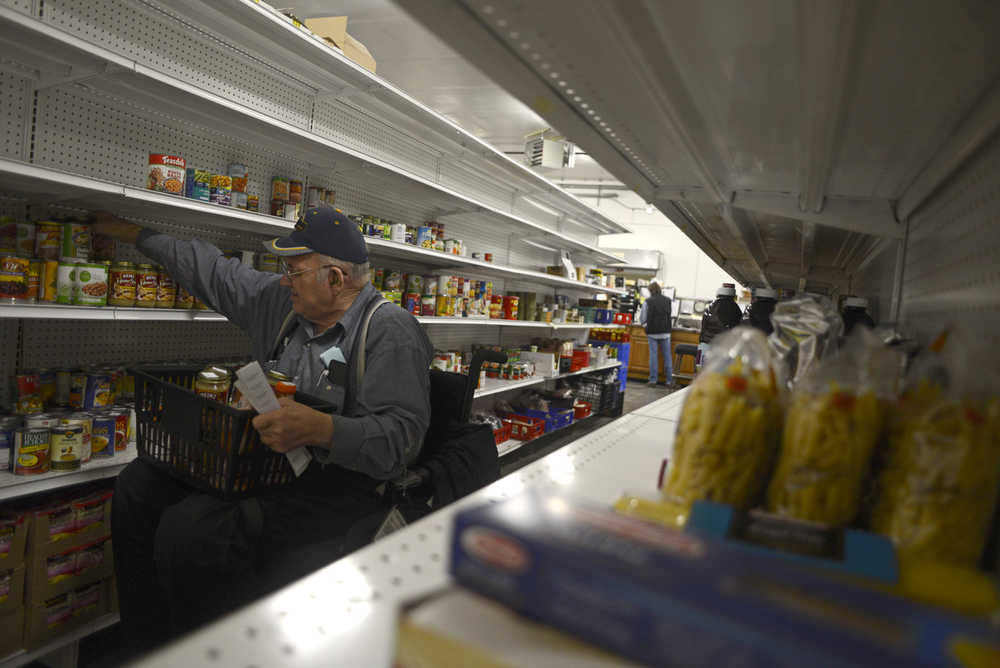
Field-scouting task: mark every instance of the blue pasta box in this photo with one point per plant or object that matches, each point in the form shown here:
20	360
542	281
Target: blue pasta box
665	597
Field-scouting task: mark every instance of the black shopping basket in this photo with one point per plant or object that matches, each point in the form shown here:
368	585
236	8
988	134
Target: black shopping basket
203	443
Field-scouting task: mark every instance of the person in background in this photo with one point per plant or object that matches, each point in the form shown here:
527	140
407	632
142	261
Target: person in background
184	557
655	317
855	312
721	315
759	312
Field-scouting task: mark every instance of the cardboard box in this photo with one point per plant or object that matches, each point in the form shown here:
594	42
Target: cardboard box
11	631
40	628
40	589
546	364
331	28
41	545
357	52
13	556
649	592
14	598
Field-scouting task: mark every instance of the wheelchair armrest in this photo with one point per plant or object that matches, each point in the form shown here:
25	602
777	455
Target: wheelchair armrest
412	478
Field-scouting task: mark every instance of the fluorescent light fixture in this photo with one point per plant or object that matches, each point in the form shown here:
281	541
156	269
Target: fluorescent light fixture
649	208
540	206
539	245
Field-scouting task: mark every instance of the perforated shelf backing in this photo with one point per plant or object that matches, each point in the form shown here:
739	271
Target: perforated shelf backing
8	359
15	106
952	266
25	6
73	344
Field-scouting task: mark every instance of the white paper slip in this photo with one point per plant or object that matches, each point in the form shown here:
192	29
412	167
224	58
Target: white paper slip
252	383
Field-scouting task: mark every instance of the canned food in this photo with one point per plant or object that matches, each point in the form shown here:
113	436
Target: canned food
445	305
331	197
411	302
92	284
395	296
443	285
34	280
166	173
294	190
25	244
510	307
98	393
30	451
213	383
221	189
427	306
239	175
13	286
425	237
279	189
50	286
378	278
198	184
415	283
29	393
147	282
86	421
450	246
77	388
397	233
47	385
290	211
184	299
41	420
488	257
275	377
166	290
239	201
123	284
121	428
102	435
392	280
48	240
8	425
253	202
439	244
496	307
66	280
66	446
75	241
8	236
314	196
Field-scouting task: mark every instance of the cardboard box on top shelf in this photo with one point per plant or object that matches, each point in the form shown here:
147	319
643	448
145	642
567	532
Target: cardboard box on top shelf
42	542
14	598
42	623
357	52
40	587
331	28
13	538
11	631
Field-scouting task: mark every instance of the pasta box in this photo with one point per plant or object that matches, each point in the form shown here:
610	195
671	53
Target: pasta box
665	597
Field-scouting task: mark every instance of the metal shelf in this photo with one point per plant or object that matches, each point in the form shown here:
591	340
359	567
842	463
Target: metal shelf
14	486
124	200
513	444
129	80
22	658
496	386
270	35
64	312
358	597
500	322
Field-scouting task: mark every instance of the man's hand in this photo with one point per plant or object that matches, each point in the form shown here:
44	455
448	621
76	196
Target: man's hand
292	426
105	224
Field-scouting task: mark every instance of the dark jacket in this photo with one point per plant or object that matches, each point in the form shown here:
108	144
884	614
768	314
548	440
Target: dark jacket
722	314
759	314
658	315
854	315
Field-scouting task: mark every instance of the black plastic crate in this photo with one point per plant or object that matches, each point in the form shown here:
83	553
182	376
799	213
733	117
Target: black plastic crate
203	443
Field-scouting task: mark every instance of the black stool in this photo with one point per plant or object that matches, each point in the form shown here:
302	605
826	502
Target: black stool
682	349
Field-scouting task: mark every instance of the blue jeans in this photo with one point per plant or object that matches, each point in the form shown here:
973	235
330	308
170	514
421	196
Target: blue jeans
654	363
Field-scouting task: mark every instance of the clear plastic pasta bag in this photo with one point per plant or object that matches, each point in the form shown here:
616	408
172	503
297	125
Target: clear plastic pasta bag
806	330
833	423
729	427
938	491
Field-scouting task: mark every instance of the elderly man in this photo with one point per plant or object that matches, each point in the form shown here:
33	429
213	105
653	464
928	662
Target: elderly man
183	557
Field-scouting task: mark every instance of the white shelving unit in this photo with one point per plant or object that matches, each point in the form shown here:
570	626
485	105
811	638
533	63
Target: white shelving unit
495	385
64	312
346	613
14	486
23	658
512	444
500	322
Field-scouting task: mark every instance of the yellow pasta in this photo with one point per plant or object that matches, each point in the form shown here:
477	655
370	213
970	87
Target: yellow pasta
725	440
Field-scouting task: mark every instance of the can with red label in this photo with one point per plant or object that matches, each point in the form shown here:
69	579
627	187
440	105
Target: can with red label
166	173
412	303
510	307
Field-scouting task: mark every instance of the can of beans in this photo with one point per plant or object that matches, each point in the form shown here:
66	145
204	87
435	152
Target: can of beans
91	287
30	451
102	435
221	189
66	446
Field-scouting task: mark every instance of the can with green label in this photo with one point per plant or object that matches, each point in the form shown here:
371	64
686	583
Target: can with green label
66	280
91	288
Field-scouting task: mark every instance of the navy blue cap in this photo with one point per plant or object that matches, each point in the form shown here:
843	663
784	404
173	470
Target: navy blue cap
324	230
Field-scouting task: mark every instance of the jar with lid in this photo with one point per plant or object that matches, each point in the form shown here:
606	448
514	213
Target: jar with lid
147	281
213	383
123	280
275	377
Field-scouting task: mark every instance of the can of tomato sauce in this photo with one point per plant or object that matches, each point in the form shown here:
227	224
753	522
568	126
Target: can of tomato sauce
124	281
166	290
147	282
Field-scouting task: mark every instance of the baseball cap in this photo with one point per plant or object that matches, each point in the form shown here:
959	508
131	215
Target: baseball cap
325	230
765	293
727	290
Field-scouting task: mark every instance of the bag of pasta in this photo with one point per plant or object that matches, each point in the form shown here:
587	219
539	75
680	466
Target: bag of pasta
833	423
728	430
938	492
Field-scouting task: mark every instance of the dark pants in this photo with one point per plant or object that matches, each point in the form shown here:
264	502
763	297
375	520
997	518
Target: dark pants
184	558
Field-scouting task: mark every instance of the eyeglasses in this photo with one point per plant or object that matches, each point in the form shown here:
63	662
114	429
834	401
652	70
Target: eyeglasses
292	274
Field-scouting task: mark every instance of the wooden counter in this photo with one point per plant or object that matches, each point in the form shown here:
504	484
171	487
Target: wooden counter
638	365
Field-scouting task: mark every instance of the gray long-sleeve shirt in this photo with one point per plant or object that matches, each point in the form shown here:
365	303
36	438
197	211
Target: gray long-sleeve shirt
382	426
